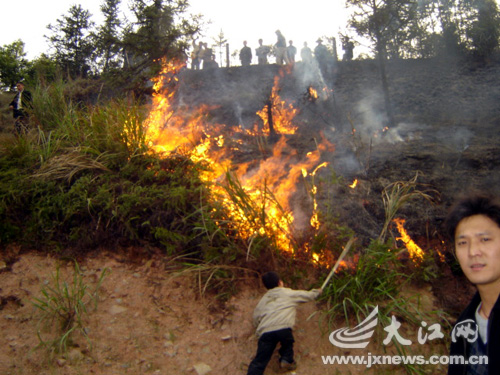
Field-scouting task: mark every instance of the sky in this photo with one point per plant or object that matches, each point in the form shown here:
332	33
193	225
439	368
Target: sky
298	20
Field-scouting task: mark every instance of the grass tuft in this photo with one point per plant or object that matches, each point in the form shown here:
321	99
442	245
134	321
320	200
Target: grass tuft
63	307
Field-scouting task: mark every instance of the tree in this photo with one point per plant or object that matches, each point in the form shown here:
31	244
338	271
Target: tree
421	37
471	26
108	41
158	32
220	43
73	42
43	70
13	65
485	29
383	21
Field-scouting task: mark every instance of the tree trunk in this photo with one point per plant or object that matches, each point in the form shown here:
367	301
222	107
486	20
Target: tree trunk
382	60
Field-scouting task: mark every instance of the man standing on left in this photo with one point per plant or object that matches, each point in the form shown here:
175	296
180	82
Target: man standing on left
19	106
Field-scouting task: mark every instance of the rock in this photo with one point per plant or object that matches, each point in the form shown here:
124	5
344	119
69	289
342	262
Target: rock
75	355
116	309
61	362
202	369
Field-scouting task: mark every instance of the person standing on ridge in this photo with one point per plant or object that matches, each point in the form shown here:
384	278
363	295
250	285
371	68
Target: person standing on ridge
291	51
280	49
245	54
261	52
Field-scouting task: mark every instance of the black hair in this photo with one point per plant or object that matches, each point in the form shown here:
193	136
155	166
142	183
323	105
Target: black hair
474	204
270	280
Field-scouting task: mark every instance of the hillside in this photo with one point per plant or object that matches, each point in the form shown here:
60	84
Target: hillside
150	318
446	114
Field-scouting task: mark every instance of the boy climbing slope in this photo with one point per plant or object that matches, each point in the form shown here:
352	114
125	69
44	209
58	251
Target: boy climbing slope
274	318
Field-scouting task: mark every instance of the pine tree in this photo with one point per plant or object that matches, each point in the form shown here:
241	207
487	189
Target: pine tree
73	42
109	44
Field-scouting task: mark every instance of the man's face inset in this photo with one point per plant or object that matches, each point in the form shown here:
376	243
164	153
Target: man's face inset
477	246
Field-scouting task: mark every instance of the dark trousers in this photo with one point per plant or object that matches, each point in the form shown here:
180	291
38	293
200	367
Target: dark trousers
21	125
265	348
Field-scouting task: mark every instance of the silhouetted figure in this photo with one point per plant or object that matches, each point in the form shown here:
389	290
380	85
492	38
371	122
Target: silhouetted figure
261	52
206	55
211	64
245	55
322	56
306	54
195	55
19	105
291	51
280	49
348	47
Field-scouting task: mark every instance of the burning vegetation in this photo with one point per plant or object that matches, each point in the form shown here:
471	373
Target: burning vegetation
259	196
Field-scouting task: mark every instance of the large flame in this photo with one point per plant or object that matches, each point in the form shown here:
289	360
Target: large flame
269	183
282	113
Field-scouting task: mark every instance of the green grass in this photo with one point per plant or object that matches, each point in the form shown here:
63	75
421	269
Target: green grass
63	307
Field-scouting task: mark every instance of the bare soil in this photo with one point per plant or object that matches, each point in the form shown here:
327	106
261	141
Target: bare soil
150	319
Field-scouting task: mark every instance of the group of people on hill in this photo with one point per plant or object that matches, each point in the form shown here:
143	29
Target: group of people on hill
202	57
285	54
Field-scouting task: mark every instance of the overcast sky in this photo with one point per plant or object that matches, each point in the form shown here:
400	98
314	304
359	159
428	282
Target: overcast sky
298	20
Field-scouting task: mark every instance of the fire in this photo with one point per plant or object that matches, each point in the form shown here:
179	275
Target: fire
315	223
354	184
441	255
282	114
252	188
313	93
416	253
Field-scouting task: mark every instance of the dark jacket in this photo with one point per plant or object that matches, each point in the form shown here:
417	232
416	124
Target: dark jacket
246	55
462	346
25	104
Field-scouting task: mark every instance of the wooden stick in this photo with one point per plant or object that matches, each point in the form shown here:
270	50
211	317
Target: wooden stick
346	250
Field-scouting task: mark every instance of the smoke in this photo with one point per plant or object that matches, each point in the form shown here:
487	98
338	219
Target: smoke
455	138
238	112
309	74
369	107
372	123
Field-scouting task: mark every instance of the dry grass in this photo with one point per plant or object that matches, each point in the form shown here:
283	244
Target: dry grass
397	194
67	165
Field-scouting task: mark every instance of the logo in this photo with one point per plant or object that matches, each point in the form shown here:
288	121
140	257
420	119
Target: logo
357	337
467	329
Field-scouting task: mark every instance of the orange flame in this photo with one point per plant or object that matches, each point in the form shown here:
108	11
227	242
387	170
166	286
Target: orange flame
354	184
416	253
170	130
282	113
313	94
314	189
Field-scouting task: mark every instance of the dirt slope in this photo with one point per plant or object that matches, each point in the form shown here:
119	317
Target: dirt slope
148	321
